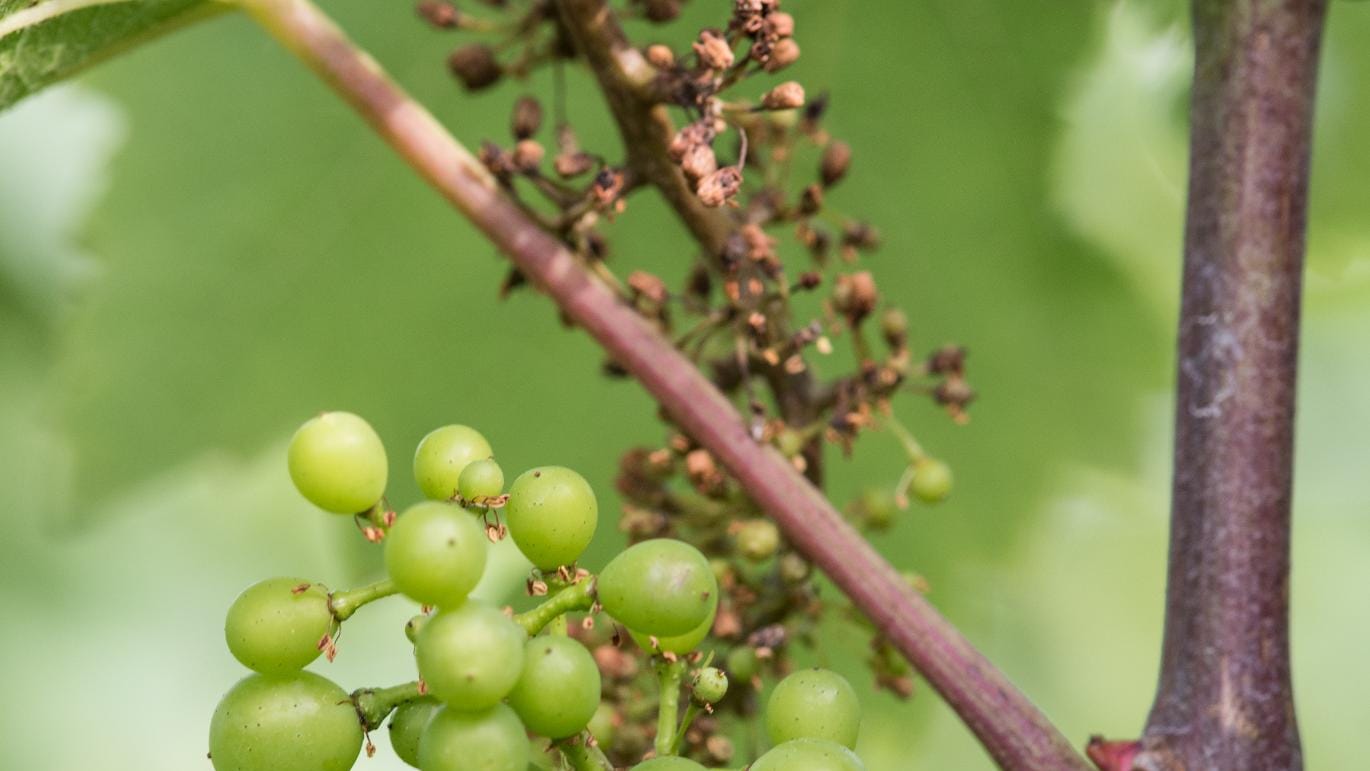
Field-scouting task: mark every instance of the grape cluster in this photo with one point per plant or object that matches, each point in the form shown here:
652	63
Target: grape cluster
496	690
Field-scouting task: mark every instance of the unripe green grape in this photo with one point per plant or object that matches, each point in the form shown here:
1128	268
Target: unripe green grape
660	587
931	480
481	479
413	626
338	463
558	690
809	755
794	568
602	724
680	643
742	663
298	722
668	763
879	507
814	704
443	454
436	553
407	724
709	685
470	656
758	540
486	740
552	514
274	630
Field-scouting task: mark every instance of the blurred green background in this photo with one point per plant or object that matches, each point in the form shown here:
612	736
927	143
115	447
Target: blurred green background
200	247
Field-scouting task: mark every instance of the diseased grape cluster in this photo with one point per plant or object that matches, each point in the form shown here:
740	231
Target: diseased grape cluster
498	690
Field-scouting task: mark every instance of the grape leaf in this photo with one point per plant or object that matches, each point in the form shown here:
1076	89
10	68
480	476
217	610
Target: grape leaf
43	42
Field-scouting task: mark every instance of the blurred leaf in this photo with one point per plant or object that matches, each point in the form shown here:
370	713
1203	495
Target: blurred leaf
46	41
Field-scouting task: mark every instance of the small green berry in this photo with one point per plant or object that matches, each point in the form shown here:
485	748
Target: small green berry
709	685
931	480
758	540
481	479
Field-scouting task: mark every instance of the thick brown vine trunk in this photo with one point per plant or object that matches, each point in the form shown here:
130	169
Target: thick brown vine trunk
1225	699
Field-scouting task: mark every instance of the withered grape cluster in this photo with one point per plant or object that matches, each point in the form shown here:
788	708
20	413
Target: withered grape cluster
498	690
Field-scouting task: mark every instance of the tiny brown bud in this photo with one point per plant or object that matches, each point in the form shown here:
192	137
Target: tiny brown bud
661	10
527	117
719	187
786	96
855	296
713	50
527	155
894	326
573	164
784	53
661	56
947	360
810	279
779	24
836	161
475	66
648	286
811	201
494	158
699	162
439	13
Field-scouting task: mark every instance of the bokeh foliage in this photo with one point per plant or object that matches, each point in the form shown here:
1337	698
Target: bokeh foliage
200	246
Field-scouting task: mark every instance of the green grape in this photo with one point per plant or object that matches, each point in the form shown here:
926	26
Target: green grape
481	479
297	722
660	587
443	455
414	625
668	763
552	514
558	691
436	553
488	740
879	506
338	463
814	704
407	724
709	685
470	656
680	643
602	724
742	663
275	630
931	480
758	540
809	755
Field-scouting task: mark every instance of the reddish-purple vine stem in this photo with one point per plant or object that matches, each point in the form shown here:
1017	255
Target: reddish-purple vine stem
1014	732
1224	699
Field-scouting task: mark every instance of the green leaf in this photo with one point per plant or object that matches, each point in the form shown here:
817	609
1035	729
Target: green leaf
43	42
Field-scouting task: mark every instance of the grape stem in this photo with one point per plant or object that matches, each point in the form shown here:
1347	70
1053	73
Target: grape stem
691	712
1014	732
374	705
583	755
669	675
345	603
577	596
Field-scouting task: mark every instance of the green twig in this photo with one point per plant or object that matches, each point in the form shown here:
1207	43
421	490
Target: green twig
344	604
375	704
669	675
578	596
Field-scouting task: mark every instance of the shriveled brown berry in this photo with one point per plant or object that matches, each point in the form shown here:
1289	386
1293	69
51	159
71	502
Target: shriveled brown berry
475	66
855	295
836	161
720	187
527	155
699	162
439	13
784	53
713	50
786	96
660	56
573	164
527	117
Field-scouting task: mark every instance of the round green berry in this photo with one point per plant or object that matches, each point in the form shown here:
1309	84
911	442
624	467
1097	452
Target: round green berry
296	722
481	479
878	507
407	724
660	587
558	691
552	514
338	463
274	626
436	553
487	740
680	643
814	704
602	724
470	656
709	685
931	480
414	625
758	539
742	663
443	455
809	755
668	763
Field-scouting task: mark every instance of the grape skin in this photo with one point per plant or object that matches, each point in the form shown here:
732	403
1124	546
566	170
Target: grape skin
274	630
814	704
552	514
558	691
660	587
470	656
407	724
443	454
490	740
338	463
436	553
809	755
299	722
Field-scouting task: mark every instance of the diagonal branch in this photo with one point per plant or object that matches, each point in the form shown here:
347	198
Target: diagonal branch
1224	699
1013	731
